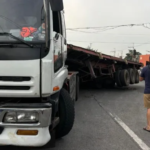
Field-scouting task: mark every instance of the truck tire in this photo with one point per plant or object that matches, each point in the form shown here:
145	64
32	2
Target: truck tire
136	73
125	78
132	75
66	114
117	78
77	87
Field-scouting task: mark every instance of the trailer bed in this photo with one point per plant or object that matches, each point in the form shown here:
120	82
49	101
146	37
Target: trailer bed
92	65
72	49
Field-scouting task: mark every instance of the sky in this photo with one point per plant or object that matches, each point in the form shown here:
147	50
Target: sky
99	13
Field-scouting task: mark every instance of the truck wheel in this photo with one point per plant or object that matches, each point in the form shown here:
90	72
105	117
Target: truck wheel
132	76
125	77
77	87
136	76
66	114
117	78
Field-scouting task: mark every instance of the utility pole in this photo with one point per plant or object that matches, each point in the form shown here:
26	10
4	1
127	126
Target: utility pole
90	45
121	53
132	46
114	52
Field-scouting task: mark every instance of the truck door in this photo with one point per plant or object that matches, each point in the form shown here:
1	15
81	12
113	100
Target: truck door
64	36
58	41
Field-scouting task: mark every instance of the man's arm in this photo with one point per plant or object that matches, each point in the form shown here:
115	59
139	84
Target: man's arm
142	76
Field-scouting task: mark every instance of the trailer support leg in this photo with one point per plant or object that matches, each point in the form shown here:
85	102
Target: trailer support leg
89	65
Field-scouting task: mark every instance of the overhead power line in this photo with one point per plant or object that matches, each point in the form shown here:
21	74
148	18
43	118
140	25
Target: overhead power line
105	28
136	45
131	25
106	42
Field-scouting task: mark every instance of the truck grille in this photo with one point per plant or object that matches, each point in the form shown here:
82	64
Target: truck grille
15	83
14	79
14	87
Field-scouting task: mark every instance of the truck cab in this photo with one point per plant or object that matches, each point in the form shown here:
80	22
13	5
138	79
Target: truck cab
34	83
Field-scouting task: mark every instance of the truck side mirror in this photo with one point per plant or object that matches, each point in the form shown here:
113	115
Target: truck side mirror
57	5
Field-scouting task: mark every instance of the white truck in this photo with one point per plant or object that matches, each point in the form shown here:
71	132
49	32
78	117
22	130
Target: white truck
37	89
37	92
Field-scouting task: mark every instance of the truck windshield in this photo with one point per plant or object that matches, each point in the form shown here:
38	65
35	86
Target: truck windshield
24	19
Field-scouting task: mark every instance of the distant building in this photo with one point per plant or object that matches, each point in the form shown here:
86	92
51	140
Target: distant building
144	59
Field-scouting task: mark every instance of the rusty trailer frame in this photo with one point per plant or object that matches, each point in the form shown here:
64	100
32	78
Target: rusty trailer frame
92	65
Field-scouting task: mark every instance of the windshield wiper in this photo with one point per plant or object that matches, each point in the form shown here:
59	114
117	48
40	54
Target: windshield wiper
14	37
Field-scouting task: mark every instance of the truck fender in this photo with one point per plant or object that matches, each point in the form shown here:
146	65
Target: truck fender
65	85
54	100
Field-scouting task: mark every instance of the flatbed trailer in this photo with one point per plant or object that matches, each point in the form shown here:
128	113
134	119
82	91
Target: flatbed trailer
100	69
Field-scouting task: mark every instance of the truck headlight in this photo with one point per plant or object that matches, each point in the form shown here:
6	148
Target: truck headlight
21	117
10	117
27	117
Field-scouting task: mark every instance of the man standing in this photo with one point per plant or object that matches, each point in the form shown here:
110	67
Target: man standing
145	75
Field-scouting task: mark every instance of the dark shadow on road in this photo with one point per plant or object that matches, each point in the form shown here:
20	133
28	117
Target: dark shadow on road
139	87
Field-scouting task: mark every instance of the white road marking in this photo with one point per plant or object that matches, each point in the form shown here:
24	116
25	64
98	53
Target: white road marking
130	132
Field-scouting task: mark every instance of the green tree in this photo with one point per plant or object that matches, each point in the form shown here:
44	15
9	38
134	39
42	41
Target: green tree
133	55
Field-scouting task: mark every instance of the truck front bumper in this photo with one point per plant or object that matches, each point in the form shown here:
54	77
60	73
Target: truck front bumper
8	131
9	137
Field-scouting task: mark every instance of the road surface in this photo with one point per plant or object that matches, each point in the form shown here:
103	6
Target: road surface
107	120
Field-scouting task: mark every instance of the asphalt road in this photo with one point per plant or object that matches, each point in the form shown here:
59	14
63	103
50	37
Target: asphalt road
96	129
